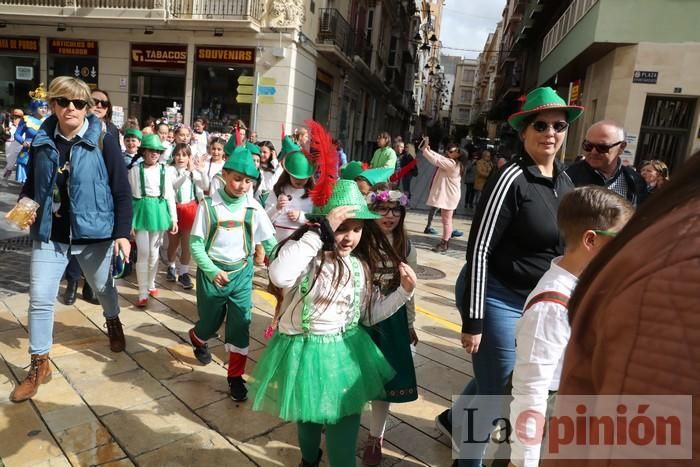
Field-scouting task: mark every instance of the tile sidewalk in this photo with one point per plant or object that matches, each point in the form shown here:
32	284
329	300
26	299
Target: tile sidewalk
155	405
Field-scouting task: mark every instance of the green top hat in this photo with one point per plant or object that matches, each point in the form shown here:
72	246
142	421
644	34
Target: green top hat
297	165
152	142
241	160
345	193
133	132
540	100
351	171
288	146
253	148
378	175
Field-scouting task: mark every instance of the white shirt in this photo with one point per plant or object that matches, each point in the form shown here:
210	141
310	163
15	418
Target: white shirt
541	336
283	226
151	175
298	259
182	180
269	179
199	143
228	246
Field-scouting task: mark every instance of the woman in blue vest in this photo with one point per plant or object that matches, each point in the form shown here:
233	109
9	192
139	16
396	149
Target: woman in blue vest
77	175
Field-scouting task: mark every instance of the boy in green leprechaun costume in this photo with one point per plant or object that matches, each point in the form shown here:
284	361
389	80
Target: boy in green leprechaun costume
227	226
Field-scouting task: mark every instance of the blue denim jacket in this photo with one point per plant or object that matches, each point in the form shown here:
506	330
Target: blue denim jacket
91	202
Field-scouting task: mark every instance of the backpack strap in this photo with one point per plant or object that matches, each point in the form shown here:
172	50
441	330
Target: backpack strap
548	296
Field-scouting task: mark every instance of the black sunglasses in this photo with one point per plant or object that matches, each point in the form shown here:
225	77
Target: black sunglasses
396	211
541	127
64	101
601	148
97	102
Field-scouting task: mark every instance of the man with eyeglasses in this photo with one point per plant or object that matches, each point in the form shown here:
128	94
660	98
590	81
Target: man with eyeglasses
602	166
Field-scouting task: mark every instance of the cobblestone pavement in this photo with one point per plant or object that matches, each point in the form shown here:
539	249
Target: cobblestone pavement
155	405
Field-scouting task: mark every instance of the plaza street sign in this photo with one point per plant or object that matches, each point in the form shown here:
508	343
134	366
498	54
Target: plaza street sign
244	89
645	77
248	99
267	90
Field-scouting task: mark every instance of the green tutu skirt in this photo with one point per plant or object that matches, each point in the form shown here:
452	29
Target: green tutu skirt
151	214
319	379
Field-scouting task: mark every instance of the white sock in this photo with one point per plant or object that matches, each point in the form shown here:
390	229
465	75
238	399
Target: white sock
183	269
380	412
172	264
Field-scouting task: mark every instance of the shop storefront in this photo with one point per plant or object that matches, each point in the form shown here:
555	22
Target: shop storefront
73	57
322	100
156	79
19	70
223	90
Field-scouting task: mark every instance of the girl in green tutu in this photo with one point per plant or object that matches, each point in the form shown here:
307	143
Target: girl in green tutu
321	367
154	213
394	335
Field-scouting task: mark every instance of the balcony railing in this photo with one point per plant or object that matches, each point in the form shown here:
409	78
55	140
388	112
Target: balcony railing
576	11
115	4
209	9
334	29
363	47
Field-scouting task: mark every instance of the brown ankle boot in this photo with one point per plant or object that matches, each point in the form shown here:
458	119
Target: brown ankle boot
39	373
442	247
116	334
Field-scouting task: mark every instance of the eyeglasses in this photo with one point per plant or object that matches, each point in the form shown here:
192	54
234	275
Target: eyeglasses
64	101
100	102
396	211
453	150
601	148
606	233
541	127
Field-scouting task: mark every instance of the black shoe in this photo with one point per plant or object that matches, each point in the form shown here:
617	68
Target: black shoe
171	275
442	423
89	294
185	281
239	392
312	464
71	293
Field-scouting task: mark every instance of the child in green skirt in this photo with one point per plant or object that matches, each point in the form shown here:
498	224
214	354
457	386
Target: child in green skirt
321	367
394	335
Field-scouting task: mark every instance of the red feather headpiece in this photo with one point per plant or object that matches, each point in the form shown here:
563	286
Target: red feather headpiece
326	162
238	133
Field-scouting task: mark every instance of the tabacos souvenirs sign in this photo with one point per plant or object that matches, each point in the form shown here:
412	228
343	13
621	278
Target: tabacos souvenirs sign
19	44
239	55
159	55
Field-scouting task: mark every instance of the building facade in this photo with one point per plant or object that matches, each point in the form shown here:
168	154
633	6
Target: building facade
481	120
272	63
463	96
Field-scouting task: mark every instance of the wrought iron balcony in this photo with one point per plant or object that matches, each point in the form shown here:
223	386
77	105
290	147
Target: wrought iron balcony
106	4
334	30
211	9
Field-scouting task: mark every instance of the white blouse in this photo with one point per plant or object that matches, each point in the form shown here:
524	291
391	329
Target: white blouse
334	311
283	226
182	181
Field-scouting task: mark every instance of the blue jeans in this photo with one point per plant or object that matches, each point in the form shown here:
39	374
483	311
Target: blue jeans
493	364
47	265
73	270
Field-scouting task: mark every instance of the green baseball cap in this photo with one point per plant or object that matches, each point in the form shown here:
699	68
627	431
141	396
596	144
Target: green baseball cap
152	142
345	193
241	161
134	133
298	165
540	100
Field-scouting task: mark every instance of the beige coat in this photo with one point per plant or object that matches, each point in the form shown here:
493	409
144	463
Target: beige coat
445	190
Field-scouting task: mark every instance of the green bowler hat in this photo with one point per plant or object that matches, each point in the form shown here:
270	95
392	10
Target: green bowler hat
288	146
134	133
540	100
253	148
152	142
345	193
297	165
241	160
378	175
351	171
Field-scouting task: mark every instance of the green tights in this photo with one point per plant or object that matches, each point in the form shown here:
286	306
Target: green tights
341	441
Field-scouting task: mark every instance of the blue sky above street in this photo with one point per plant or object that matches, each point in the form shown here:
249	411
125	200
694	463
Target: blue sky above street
467	23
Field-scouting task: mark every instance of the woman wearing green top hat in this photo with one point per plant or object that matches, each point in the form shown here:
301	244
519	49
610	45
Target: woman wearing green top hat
291	201
321	367
513	239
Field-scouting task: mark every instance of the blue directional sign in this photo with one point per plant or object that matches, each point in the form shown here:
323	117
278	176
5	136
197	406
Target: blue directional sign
267	90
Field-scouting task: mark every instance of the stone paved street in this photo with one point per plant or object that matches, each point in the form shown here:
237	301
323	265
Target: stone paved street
155	405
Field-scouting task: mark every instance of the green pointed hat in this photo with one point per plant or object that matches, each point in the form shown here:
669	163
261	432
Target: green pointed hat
288	146
230	145
152	142
253	148
540	100
374	176
133	132
352	170
241	160
298	165
346	193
